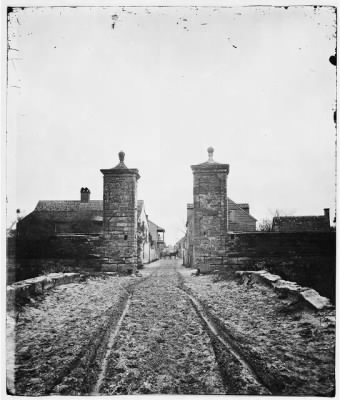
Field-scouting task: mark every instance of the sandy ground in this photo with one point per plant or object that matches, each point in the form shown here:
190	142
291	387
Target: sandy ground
292	349
54	331
162	346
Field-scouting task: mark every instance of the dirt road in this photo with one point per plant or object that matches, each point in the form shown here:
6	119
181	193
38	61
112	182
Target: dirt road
161	346
164	345
155	333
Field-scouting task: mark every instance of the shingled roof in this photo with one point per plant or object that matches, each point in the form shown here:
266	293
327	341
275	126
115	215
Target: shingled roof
68	205
240	207
310	223
155	226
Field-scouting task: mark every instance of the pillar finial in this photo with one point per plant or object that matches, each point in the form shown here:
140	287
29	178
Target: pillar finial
121	156
210	154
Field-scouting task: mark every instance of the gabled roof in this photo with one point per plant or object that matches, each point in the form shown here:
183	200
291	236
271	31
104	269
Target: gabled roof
238	207
76	206
243	205
231	204
155	226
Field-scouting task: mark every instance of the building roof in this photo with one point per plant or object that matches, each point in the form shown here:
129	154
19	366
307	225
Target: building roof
155	226
93	209
233	205
180	241
76	205
154	229
301	223
243	205
73	214
69	205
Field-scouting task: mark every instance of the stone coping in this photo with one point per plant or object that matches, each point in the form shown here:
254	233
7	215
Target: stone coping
28	287
128	171
299	293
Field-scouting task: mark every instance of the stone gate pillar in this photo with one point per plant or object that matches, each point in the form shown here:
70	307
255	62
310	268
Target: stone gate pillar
210	212
120	216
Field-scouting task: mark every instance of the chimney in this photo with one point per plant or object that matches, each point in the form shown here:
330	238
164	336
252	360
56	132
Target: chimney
326	213
84	195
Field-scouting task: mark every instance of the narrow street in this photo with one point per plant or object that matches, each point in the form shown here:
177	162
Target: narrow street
161	346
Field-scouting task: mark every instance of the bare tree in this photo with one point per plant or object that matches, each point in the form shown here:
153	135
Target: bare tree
265	225
282	212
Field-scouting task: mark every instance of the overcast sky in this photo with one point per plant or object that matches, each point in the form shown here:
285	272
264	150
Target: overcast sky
255	83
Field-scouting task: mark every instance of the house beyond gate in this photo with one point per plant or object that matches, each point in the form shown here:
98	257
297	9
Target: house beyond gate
127	237
150	237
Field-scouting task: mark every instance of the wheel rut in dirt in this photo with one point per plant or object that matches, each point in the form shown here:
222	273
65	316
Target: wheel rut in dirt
167	343
160	332
109	348
85	373
238	375
161	346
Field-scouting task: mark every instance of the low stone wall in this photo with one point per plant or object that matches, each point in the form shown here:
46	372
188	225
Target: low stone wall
21	290
310	297
307	258
61	253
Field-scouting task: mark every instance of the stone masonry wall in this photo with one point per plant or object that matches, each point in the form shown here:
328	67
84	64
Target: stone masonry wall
70	253
307	258
120	220
210	212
